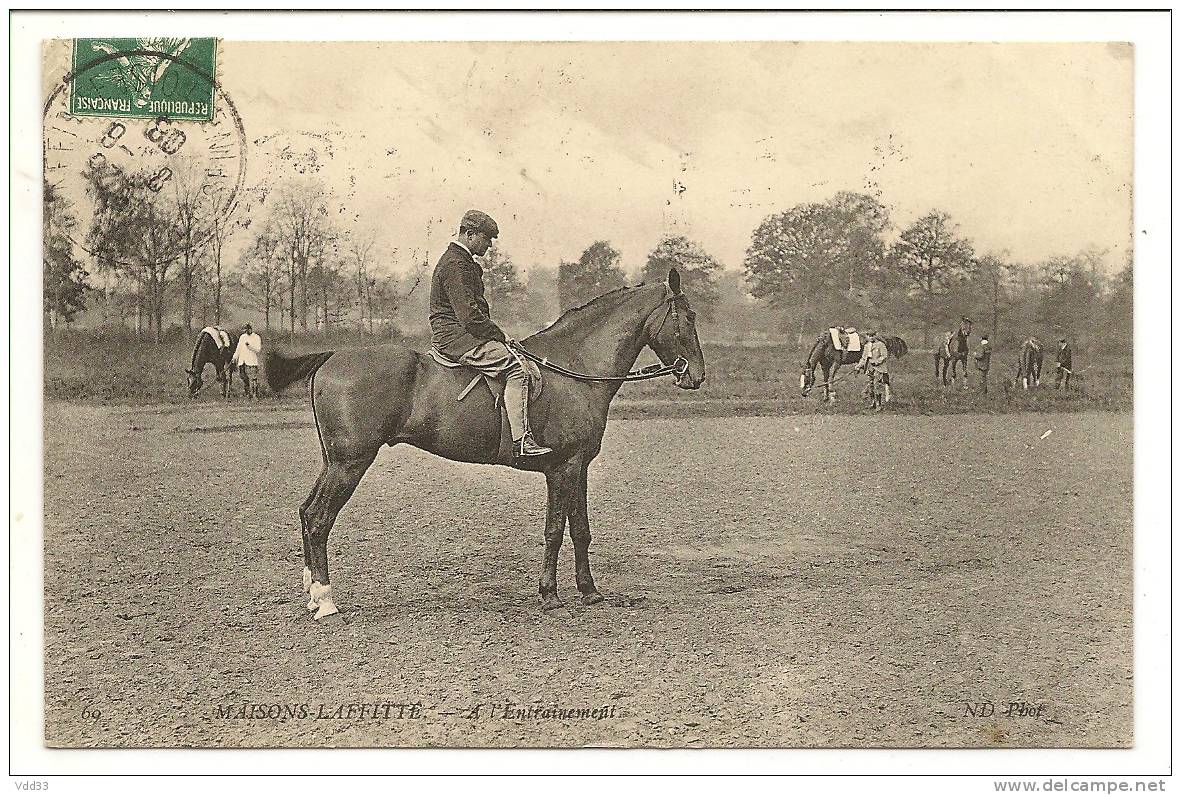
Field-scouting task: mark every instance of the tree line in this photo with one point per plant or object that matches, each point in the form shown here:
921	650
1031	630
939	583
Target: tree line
155	253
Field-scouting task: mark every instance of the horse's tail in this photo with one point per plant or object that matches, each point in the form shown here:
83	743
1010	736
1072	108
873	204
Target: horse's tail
282	371
896	347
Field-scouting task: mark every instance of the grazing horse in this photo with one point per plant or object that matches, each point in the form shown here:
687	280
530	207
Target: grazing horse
825	354
388	395
953	351
1029	366
208	351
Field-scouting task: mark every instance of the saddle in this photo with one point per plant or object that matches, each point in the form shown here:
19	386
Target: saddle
845	339
220	338
495	386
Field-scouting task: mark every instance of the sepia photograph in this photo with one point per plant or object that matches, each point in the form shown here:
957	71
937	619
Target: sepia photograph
554	393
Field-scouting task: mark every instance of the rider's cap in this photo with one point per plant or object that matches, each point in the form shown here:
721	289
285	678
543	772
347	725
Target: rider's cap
477	221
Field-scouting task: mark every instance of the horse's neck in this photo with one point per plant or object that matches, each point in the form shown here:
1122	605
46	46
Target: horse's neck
605	342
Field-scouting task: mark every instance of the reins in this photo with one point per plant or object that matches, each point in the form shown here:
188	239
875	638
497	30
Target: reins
824	383
678	368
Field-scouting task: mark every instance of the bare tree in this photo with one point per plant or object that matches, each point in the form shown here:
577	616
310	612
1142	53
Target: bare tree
360	247
302	226
134	234
195	213
261	272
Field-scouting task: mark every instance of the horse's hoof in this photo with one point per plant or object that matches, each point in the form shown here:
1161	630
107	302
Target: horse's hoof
550	602
327	608
592	598
313	604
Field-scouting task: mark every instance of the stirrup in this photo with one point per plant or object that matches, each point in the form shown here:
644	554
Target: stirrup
526	446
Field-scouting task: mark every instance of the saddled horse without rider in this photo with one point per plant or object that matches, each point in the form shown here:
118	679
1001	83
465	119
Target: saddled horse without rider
829	358
388	395
208	350
953	351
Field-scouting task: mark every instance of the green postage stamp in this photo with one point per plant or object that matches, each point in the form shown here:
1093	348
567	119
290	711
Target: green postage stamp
144	78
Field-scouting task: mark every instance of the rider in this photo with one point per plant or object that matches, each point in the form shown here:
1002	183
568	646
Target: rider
873	361
462	330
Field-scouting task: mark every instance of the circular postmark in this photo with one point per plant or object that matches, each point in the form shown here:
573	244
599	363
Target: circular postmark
146	179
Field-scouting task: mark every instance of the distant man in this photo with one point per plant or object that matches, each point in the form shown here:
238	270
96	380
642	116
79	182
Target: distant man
1065	367
246	359
874	358
984	361
463	331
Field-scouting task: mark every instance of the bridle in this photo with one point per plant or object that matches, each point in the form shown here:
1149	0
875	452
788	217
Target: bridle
679	367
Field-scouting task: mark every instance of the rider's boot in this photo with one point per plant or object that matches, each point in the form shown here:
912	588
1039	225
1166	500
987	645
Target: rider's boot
527	446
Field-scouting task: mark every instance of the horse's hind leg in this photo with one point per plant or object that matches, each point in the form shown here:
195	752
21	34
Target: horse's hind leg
580	534
333	488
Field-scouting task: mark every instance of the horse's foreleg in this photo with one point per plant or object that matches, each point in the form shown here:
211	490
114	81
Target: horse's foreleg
830	390
580	534
561	487
333	488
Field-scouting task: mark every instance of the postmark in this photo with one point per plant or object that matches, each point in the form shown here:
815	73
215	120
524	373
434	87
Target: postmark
144	187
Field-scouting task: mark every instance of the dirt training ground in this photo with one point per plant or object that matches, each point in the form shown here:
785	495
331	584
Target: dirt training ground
782	581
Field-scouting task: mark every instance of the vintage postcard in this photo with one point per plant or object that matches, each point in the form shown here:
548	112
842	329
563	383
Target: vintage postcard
555	394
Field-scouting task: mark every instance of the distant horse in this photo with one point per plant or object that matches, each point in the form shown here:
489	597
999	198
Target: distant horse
208	351
1029	365
825	354
953	351
388	394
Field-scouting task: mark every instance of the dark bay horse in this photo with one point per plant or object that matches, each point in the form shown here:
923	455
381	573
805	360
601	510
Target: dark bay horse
954	351
825	355
1029	365
207	351
388	395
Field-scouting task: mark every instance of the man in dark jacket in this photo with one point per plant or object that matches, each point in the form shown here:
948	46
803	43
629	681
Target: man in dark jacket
462	330
1064	364
984	361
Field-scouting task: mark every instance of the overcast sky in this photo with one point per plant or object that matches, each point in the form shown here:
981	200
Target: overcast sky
1028	146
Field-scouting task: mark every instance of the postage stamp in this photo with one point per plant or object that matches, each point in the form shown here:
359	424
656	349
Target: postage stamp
144	78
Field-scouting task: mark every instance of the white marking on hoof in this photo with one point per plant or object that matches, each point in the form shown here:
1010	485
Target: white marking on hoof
312	604
327	608
319	592
307	580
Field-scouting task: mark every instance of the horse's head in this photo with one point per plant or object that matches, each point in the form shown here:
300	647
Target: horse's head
672	334
194	382
807	379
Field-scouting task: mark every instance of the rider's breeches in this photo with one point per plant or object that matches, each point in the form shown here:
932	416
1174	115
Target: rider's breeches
494	358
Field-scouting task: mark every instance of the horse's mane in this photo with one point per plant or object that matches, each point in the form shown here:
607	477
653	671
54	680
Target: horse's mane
607	301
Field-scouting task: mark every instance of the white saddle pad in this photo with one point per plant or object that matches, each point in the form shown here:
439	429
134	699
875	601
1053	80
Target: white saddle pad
854	339
219	336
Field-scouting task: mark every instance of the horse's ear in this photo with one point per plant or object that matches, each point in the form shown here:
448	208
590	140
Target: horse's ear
190	372
674	281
